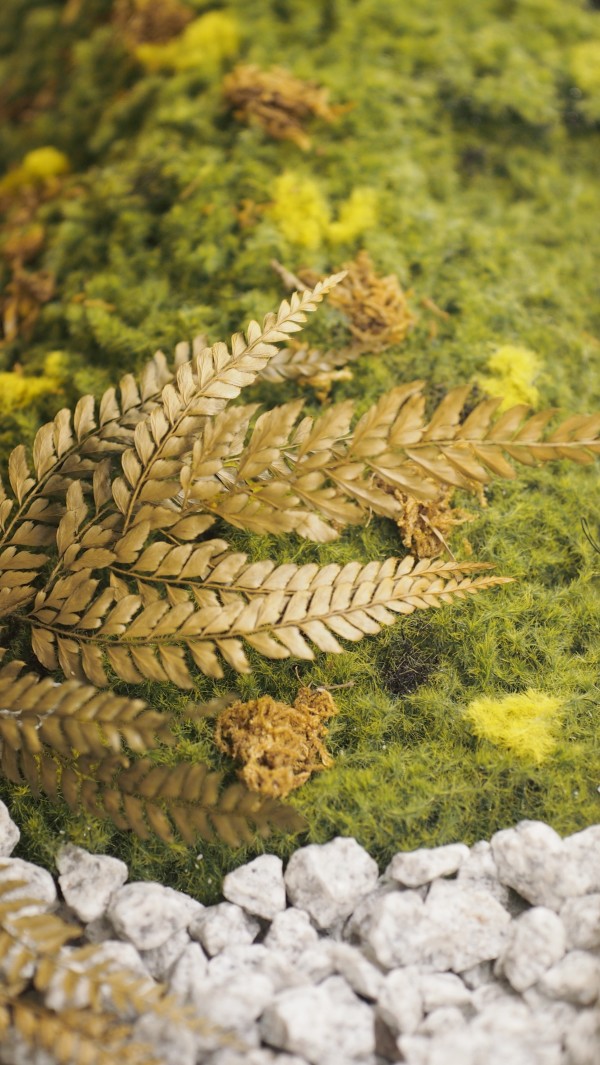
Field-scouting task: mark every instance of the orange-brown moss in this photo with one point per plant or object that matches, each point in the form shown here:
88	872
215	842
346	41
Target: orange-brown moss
278	745
277	101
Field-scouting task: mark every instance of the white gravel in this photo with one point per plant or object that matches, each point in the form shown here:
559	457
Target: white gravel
488	955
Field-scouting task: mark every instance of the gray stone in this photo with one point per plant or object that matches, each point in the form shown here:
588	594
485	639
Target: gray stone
148	914
531	859
583	1039
291	933
536	941
160	960
9	833
315	963
582	851
473	925
324	1024
581	918
442	1020
400	1003
439	990
480	870
259	1056
234	1003
414	868
396	930
575	978
224	925
257	887
38	885
170	1042
329	881
255	958
364	978
188	973
88	881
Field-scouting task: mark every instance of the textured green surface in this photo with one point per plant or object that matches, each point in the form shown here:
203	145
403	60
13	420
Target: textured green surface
474	125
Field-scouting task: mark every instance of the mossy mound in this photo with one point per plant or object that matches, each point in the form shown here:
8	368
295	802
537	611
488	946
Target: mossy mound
464	160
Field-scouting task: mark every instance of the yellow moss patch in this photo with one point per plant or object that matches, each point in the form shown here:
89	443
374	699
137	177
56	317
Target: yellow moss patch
524	722
36	167
357	215
512	372
585	66
302	212
202	46
278	745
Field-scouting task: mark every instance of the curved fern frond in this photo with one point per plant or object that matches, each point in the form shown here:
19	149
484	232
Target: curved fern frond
290	609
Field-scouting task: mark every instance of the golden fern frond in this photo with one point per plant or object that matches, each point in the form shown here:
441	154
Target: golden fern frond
184	799
72	716
148	638
417	453
202	388
76	1037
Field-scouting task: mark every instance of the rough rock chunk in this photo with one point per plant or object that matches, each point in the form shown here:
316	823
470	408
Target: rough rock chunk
445	1019
88	881
414	868
223	925
328	881
9	833
326	1025
292	933
472	923
575	978
188	973
583	1038
581	918
148	914
536	941
364	978
479	868
439	990
234	1003
531	859
582	852
400	1003
38	884
160	960
258	886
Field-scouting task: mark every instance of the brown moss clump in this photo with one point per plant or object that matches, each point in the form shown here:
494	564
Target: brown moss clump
278	745
151	21
376	306
426	524
277	101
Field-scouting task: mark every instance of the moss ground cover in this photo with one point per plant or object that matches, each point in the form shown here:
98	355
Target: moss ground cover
465	162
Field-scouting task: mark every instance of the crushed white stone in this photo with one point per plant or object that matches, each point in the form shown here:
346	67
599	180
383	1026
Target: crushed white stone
488	955
88	881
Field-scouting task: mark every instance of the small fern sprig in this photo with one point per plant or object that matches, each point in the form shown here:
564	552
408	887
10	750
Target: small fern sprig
93	1025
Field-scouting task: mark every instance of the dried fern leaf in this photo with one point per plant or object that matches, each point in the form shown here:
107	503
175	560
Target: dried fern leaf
279	611
72	716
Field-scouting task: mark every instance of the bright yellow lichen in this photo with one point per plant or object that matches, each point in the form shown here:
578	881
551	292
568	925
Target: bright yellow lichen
585	66
303	213
36	167
202	46
300	210
18	390
356	215
512	371
523	722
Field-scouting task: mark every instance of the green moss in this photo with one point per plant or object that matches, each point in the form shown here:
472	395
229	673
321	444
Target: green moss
472	137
